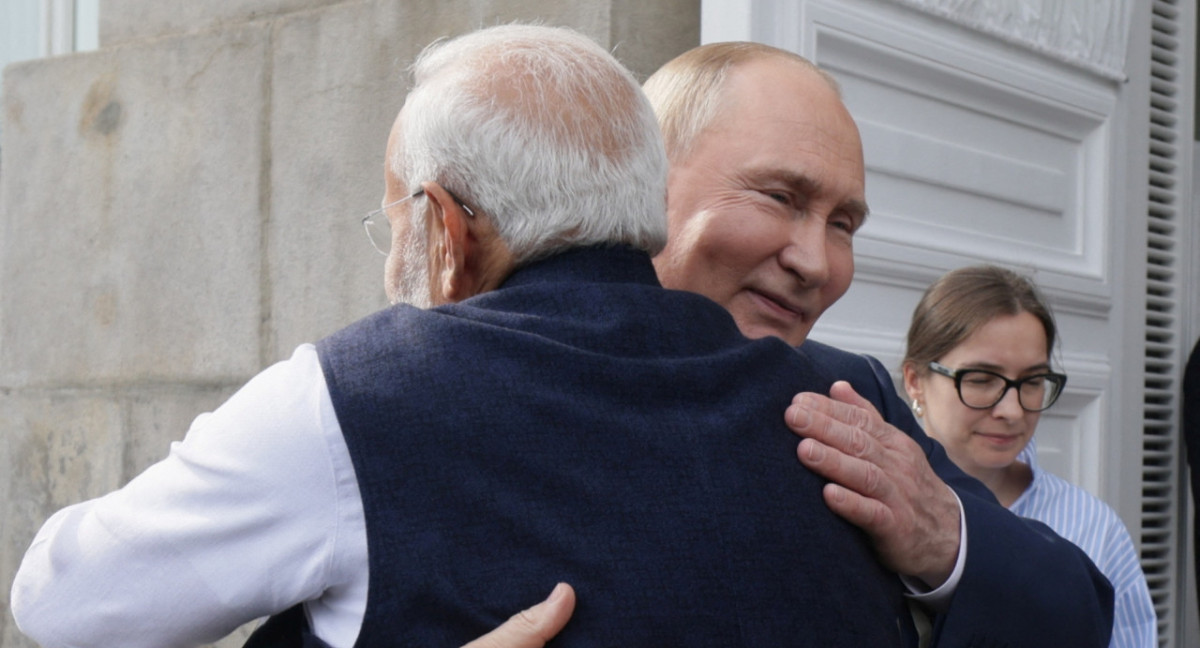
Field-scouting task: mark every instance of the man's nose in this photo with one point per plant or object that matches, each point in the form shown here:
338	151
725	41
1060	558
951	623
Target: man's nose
805	253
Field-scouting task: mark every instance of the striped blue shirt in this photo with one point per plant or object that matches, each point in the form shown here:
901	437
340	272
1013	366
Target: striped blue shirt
1088	522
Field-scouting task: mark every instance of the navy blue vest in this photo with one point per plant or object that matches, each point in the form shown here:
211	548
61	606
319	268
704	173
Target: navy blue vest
582	424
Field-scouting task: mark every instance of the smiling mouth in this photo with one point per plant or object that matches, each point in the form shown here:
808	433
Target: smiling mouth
777	307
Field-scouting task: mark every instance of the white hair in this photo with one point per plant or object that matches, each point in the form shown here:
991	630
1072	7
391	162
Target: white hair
543	132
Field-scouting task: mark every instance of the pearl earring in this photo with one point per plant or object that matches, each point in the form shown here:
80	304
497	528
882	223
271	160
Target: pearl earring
917	409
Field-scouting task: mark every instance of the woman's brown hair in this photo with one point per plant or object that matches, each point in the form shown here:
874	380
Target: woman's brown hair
963	300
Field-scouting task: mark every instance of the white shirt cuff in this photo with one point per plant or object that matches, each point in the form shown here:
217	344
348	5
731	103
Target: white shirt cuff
939	598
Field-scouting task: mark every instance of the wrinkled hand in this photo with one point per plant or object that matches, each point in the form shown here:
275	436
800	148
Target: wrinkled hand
532	628
881	482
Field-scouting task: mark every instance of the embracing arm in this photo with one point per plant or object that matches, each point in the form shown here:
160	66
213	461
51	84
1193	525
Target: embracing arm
883	479
880	481
232	525
1022	567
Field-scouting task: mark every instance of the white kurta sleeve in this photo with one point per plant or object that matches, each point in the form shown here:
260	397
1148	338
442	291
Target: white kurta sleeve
239	521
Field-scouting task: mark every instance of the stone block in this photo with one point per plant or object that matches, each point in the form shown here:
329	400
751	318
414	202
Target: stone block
132	191
58	448
449	19
645	35
337	84
642	35
124	21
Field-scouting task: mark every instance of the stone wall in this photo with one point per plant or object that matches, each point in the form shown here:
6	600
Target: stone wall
181	208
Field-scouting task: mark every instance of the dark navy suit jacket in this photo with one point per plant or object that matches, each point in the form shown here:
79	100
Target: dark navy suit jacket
1023	585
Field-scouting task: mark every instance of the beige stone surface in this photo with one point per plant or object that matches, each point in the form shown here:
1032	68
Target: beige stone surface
123	21
57	448
131	187
337	82
647	34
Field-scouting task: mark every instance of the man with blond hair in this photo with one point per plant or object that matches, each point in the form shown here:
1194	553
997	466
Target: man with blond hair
766	191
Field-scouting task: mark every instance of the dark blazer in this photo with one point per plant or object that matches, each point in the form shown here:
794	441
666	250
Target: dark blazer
583	424
1023	585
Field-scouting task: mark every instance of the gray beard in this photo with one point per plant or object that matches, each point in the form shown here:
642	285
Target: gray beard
413	286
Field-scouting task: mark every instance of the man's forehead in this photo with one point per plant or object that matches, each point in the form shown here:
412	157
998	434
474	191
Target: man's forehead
794	118
775	92
768	77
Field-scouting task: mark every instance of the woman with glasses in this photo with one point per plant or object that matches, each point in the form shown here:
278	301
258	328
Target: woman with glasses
978	371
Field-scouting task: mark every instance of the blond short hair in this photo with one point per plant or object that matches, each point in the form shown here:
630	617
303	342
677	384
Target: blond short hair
686	93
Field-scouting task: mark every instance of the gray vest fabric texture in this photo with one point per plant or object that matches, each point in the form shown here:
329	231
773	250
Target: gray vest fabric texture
583	424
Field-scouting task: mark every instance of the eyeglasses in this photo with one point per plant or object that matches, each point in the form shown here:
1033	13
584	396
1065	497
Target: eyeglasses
983	389
379	227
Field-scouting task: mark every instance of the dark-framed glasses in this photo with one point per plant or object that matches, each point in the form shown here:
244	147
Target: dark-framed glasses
379	227
983	389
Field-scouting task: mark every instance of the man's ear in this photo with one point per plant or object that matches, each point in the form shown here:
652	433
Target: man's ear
453	247
467	255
